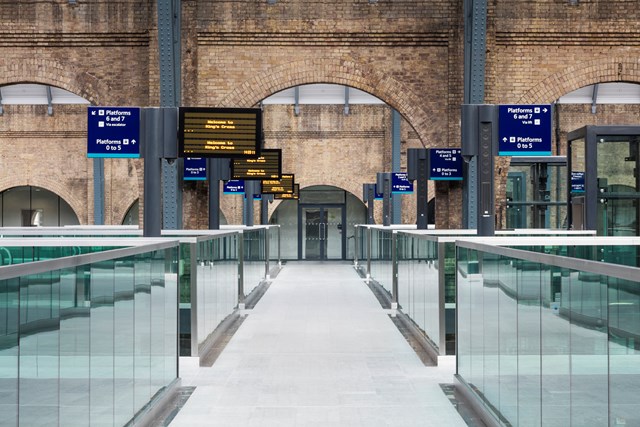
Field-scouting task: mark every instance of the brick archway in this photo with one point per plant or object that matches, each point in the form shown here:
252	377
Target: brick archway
616	69
53	186
336	71
54	73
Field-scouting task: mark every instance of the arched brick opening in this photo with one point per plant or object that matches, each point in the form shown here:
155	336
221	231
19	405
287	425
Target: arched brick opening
82	83
335	71
54	73
52	186
582	74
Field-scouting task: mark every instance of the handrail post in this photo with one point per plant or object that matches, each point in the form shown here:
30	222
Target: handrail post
394	270
240	270
368	254
267	239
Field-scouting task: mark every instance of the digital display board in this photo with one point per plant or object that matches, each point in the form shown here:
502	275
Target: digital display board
289	196
219	132
279	186
267	166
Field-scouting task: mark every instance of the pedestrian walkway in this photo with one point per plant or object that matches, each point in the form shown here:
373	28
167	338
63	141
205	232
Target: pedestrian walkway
317	350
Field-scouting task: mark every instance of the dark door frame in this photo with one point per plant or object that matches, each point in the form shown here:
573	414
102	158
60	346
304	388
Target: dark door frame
323	207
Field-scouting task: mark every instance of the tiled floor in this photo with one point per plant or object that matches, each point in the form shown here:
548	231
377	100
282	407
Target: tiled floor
317	350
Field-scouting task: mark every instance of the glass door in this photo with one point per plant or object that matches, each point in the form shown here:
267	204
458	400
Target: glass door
320	232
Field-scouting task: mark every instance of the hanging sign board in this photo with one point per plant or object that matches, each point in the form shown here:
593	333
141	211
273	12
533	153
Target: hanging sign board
113	132
445	164
233	186
289	196
577	182
279	186
195	169
267	166
400	183
378	196
219	132
524	130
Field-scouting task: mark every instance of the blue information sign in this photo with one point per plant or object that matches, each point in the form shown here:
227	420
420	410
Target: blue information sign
195	169
233	186
525	130
400	183
377	196
577	182
113	132
445	164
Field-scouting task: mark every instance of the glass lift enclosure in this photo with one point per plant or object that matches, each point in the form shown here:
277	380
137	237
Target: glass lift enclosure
603	166
536	192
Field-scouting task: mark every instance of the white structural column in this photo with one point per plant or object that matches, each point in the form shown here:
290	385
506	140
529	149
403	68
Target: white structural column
318	350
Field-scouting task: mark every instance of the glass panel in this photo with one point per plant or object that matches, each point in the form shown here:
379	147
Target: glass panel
333	229
75	336
311	232
624	352
14	200
286	215
516	195
102	343
508	346
618	185
142	332
528	331
9	300
157	322
39	349
124	340
589	344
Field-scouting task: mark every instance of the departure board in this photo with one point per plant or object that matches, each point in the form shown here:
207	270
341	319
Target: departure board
219	132
289	196
267	166
279	186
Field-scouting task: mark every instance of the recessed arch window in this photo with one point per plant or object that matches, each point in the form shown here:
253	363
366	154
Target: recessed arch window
30	206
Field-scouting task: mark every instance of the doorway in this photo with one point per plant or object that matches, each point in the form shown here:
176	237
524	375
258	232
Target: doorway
320	231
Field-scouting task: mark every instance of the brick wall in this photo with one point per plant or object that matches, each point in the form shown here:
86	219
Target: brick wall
236	53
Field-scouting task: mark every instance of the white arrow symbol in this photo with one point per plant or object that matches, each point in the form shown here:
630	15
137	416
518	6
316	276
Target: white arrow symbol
133	141
504	139
93	113
544	110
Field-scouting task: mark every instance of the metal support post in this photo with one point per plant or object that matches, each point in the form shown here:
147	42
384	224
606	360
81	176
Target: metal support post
151	124
279	260
264	208
98	191
240	270
368	277
396	200
394	270
475	40
418	170
169	42
480	140
369	195
267	242
384	182
214	195
194	299
248	202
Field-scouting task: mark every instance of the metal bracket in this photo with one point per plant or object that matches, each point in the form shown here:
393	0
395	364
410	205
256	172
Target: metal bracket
49	101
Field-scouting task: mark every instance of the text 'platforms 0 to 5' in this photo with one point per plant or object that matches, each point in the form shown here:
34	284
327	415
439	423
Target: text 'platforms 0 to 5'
113	132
